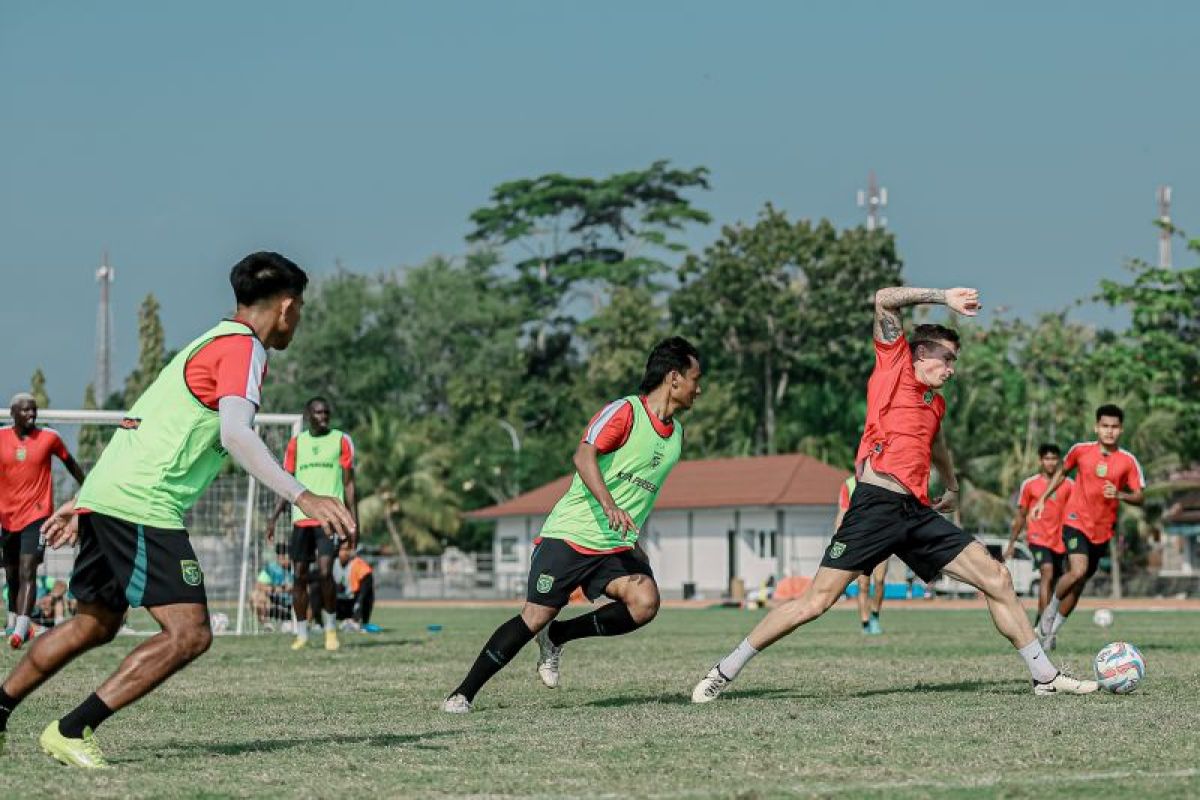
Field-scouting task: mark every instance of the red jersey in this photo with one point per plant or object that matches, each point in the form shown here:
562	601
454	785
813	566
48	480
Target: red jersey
1045	531
227	366
1088	510
903	418
26	490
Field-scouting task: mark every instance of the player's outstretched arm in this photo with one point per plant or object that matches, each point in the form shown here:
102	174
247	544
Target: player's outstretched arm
1018	524
589	472
889	301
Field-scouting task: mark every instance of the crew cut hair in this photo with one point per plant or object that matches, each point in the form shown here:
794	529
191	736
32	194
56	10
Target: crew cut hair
265	275
928	334
1110	410
312	401
675	353
1048	448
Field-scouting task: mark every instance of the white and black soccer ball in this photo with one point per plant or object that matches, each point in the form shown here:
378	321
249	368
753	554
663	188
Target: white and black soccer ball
1103	617
219	622
1119	667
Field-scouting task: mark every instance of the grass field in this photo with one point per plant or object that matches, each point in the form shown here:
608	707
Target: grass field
938	706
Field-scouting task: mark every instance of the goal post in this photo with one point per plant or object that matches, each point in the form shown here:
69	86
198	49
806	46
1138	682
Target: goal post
223	524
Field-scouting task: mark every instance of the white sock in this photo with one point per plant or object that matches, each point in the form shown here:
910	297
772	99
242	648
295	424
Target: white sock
1049	614
1040	666
22	626
732	664
327	620
12	620
302	629
1059	619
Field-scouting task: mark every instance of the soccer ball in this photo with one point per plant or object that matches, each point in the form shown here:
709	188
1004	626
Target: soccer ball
1119	667
1103	617
219	622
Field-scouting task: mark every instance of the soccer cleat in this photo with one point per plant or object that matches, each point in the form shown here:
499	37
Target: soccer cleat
1064	684
548	658
72	752
15	641
711	687
331	640
456	704
873	627
300	642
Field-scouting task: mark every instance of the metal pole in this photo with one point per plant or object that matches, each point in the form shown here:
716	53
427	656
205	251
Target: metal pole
516	444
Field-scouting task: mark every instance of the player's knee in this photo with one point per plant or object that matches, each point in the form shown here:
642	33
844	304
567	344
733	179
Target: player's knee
644	607
999	582
191	642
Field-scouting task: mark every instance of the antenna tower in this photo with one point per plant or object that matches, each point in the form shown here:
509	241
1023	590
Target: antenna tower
104	277
874	199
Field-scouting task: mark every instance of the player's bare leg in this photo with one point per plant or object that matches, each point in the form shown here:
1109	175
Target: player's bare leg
827	586
976	568
27	566
1045	587
1062	602
328	601
184	637
300	602
92	626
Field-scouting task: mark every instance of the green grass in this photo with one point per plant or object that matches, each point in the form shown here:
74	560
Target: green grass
939	706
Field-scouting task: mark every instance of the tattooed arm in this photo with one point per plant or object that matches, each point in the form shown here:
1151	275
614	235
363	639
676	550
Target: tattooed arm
888	302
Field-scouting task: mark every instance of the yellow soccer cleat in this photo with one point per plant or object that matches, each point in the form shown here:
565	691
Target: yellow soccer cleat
300	643
331	640
83	752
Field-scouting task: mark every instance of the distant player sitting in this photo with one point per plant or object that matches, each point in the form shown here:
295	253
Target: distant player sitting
356	587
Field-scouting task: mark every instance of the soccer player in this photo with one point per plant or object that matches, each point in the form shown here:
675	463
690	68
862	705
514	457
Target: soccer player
589	539
890	511
322	458
26	501
1105	477
869	603
1045	533
128	517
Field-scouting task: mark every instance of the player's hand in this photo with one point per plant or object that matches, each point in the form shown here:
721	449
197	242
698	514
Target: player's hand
1110	490
270	531
963	301
62	528
1008	552
619	520
1038	508
947	502
334	517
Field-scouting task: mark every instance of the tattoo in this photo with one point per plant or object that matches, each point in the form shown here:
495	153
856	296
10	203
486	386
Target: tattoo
888	302
887	326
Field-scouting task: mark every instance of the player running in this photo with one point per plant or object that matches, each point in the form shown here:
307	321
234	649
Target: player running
1045	533
589	539
128	518
26	500
322	458
1105	476
869	603
890	511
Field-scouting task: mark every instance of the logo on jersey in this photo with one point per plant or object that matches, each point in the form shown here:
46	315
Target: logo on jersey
544	582
191	572
928	398
1101	469
836	549
20	454
657	458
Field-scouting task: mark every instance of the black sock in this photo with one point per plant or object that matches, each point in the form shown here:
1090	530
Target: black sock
88	714
7	704
875	615
613	619
864	624
505	643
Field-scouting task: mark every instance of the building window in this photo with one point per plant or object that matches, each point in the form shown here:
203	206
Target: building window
508	548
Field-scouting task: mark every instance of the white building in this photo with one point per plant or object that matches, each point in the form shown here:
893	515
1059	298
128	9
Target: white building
714	520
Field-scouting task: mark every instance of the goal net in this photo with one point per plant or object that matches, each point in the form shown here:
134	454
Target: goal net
226	525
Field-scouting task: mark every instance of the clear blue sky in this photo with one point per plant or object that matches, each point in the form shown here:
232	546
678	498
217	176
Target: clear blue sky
1021	143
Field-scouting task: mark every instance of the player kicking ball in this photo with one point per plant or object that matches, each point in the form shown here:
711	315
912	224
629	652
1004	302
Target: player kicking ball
890	511
588	540
128	518
1105	476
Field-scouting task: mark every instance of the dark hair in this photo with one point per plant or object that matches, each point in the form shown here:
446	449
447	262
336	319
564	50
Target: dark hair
281	548
1047	449
312	401
1110	410
675	353
264	275
928	334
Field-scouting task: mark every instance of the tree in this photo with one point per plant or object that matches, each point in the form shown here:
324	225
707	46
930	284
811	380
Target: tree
37	388
151	351
91	437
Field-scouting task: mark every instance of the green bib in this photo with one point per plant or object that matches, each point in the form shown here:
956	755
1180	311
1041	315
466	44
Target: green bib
168	451
319	466
634	474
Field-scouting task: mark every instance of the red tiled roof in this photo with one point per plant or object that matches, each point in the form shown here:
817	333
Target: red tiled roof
787	480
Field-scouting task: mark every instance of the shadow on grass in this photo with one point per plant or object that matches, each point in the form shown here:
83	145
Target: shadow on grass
359	645
1014	687
272	745
683	699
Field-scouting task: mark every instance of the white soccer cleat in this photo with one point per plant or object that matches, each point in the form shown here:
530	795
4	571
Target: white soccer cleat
711	687
549	656
1064	684
456	704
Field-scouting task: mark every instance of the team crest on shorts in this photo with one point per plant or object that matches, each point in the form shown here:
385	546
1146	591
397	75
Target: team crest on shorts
544	582
191	572
836	549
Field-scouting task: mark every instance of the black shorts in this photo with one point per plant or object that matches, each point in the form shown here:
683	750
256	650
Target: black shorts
122	564
1043	555
880	523
1078	544
556	569
309	541
26	542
